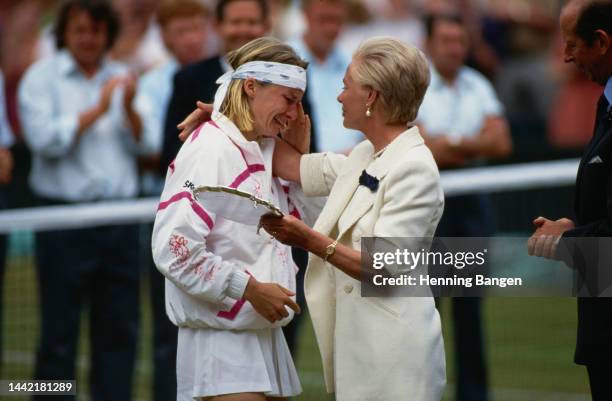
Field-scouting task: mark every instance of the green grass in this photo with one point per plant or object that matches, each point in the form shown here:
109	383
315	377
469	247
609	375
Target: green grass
529	343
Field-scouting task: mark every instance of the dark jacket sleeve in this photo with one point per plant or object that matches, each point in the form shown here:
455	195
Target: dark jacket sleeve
588	247
597	228
182	102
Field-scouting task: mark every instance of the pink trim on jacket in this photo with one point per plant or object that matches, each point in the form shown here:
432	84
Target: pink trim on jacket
194	205
232	313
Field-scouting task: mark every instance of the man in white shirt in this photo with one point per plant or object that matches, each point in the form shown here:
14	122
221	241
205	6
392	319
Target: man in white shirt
462	122
78	119
183	26
397	18
318	45
6	139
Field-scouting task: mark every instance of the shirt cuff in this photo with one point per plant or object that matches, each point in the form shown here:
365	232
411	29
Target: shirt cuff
312	175
237	284
68	125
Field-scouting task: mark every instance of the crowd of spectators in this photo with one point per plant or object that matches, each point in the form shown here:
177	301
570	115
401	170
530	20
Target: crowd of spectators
514	43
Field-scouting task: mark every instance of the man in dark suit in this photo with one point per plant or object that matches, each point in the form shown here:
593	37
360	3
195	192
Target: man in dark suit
237	22
587	32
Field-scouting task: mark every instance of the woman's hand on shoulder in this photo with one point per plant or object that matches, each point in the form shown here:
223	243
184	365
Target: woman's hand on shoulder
200	115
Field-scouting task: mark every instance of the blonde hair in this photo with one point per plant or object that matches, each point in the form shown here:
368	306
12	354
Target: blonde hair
399	72
235	106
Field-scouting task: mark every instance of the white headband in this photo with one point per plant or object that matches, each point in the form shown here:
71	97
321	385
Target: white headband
270	72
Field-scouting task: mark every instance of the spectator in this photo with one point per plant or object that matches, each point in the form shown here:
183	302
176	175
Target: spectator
462	121
527	86
394	18
79	122
237	22
139	44
327	65
184	26
286	19
6	141
6	167
22	41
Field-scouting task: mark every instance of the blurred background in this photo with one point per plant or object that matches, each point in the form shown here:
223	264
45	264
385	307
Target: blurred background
549	107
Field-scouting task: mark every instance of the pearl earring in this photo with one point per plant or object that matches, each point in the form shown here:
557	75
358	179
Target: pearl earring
368	111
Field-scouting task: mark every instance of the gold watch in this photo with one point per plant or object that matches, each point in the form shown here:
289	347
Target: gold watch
330	249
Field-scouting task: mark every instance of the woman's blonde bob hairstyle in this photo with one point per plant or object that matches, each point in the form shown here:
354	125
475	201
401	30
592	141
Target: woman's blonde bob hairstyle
235	106
397	71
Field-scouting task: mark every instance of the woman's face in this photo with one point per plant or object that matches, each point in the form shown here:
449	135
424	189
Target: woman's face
354	98
272	106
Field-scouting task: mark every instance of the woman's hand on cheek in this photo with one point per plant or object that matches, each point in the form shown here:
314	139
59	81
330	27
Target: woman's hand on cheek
297	132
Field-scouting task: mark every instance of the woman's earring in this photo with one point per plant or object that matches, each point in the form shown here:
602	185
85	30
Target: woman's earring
368	111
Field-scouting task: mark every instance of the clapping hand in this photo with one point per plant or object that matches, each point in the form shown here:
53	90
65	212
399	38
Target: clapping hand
129	90
107	93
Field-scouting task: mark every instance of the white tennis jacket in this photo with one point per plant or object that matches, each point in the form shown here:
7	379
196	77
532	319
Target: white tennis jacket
207	259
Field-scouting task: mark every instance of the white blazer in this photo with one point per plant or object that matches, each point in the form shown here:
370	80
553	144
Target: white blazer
375	349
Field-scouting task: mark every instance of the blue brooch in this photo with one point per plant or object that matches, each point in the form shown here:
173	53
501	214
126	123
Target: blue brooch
368	181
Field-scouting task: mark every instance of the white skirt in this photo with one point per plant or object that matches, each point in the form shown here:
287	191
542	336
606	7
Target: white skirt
213	362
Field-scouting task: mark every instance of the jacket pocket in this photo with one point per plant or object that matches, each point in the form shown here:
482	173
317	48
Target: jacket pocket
383	305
